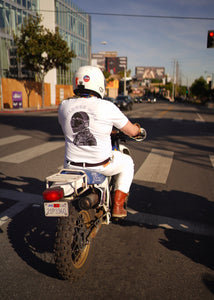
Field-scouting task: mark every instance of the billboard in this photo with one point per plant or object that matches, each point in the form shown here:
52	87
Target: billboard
116	64
98	59
150	72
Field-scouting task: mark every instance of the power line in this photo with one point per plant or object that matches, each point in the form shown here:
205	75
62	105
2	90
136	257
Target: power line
152	16
123	15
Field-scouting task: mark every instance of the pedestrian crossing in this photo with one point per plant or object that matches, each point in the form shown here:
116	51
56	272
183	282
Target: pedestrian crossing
154	169
29	153
13	139
25	155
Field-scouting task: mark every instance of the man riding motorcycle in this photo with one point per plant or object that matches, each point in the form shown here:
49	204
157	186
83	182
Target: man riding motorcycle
87	121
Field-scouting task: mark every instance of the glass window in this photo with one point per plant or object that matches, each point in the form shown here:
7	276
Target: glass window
29	4
34	4
2	21
19	18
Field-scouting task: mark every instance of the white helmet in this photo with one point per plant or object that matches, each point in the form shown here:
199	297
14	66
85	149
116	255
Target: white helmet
89	80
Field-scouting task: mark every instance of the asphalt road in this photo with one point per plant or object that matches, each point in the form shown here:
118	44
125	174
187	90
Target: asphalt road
163	250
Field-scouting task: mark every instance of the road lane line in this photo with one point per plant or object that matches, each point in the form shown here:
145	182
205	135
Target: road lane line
156	167
13	139
170	223
33	152
23	201
200	118
212	160
165	111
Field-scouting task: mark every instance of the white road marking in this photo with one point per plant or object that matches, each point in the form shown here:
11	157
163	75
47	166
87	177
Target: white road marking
33	152
170	223
13	139
212	160
200	118
156	167
25	200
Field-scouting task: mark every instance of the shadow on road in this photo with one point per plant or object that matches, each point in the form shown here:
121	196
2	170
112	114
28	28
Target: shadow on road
173	204
199	249
31	234
32	237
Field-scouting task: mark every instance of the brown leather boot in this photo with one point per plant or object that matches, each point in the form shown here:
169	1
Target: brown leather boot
118	205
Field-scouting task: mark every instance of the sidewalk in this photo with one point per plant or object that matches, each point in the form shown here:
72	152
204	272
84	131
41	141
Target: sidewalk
28	110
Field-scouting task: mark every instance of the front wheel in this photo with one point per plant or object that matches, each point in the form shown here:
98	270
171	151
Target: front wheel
73	245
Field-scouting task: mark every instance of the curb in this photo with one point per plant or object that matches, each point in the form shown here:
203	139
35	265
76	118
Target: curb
28	110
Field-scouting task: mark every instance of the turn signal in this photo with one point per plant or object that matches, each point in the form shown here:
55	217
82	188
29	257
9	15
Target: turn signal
53	194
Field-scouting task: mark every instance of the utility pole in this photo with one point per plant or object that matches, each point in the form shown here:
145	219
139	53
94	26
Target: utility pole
176	78
124	80
173	82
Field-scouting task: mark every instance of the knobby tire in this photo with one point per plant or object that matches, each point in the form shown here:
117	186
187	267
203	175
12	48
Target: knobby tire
73	253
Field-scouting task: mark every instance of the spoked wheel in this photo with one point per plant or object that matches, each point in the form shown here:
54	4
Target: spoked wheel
72	245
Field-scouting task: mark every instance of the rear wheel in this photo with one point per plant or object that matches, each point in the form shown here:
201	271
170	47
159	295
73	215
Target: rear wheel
72	245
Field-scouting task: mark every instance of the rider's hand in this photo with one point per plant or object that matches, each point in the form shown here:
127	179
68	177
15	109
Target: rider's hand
141	135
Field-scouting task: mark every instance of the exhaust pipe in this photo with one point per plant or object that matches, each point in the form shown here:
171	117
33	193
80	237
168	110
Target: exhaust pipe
89	201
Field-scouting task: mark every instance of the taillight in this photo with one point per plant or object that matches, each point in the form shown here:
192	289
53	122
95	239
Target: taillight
53	194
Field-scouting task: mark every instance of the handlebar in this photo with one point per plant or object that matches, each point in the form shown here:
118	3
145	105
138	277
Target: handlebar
117	135
141	136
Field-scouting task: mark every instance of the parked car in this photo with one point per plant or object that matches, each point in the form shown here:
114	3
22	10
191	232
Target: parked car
152	99
138	100
124	102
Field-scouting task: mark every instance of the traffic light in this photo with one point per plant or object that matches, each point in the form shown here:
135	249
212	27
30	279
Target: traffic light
210	39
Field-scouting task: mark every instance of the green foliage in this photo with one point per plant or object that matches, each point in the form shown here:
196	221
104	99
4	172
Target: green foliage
40	49
168	86
200	88
122	73
181	89
106	74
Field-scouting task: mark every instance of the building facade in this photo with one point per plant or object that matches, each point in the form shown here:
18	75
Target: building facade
74	25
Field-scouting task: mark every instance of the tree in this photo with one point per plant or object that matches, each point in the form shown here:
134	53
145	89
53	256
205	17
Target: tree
200	88
41	50
122	73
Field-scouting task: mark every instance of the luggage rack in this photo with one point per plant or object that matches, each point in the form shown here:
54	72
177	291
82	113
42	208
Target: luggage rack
73	179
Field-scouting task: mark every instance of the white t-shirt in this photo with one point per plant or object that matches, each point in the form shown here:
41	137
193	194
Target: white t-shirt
87	124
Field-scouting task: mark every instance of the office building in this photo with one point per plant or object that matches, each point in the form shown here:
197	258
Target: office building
74	25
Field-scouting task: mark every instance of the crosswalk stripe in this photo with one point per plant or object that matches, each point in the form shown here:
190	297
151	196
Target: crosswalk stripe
156	167
170	223
13	139
200	118
212	160
32	152
23	201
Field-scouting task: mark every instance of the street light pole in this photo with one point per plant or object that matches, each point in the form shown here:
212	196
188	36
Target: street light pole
124	80
212	78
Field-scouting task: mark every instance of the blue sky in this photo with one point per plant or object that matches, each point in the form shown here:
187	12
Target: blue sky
155	41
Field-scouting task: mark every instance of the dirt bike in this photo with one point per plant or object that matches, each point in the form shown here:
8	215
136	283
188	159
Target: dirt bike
82	202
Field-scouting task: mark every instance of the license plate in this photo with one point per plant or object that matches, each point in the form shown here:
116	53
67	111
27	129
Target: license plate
56	209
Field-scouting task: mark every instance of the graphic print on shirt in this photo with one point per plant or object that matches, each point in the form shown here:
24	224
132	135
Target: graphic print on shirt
79	125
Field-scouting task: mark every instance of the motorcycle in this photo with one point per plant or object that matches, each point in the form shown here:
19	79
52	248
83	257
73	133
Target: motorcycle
82	202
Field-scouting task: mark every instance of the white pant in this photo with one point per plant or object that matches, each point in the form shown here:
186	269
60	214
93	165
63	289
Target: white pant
120	164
